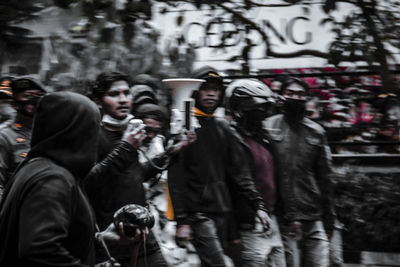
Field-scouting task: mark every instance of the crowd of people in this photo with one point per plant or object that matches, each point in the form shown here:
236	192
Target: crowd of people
250	189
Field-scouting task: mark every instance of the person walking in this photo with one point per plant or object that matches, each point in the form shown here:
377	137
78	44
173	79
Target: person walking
249	102
201	180
305	181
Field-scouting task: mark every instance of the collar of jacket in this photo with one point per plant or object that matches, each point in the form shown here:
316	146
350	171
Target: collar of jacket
199	113
109	121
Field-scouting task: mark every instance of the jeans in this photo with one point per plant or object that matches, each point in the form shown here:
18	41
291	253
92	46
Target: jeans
311	250
336	249
260	248
206	241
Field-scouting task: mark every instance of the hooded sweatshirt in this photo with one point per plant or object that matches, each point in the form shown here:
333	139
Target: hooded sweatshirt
45	219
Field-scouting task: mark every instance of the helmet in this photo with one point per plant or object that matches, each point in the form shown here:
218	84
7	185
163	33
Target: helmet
247	95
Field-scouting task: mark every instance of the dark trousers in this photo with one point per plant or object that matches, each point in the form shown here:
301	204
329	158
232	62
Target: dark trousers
210	235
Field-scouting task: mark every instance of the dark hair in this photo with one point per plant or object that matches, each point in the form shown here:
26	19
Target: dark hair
292	80
104	81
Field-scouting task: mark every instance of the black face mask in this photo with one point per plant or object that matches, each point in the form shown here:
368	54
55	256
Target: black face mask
294	110
252	120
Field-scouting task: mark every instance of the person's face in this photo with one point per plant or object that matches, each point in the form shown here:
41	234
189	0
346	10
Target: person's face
209	96
153	127
296	92
117	101
29	98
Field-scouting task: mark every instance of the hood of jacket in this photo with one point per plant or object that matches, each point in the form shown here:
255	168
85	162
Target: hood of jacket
66	129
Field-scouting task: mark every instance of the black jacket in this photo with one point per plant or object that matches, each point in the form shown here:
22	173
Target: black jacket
115	181
244	213
305	160
45	219
206	171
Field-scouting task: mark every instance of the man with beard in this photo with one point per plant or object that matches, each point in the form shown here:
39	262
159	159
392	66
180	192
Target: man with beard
15	139
305	185
121	184
250	102
205	171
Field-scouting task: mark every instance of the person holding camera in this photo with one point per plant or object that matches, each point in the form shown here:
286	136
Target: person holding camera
113	187
201	180
45	217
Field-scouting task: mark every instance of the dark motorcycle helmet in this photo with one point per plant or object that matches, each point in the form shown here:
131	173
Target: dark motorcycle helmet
246	96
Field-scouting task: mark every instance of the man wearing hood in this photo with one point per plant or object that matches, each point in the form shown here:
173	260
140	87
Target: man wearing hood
120	184
305	184
15	139
45	219
200	180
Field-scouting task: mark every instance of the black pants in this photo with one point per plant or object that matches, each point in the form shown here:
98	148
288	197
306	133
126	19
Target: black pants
211	236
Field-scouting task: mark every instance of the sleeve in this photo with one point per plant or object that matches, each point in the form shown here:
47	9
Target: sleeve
114	164
324	179
177	186
154	166
44	223
239	172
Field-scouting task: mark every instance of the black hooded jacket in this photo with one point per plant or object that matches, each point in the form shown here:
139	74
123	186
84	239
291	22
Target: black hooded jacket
45	219
207	170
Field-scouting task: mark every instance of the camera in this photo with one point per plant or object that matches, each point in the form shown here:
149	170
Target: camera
134	124
133	217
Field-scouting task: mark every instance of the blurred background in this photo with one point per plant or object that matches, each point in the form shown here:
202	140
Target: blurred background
347	51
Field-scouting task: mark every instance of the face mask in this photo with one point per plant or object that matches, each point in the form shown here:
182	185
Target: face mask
294	110
253	119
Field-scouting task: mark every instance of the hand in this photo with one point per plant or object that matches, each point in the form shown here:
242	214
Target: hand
136	136
113	235
191	136
185	139
264	219
183	235
295	229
